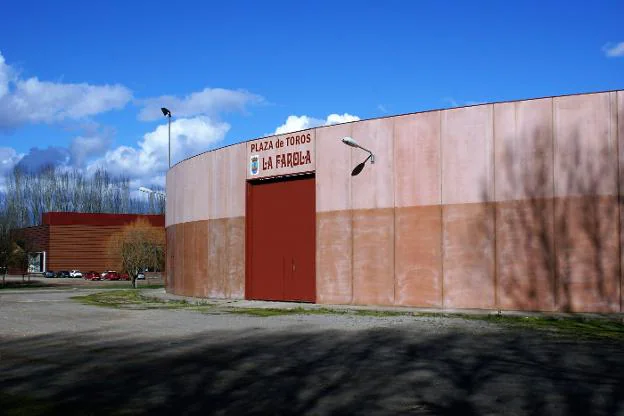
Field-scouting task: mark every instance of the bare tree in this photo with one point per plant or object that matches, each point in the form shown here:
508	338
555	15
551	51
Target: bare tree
139	245
29	194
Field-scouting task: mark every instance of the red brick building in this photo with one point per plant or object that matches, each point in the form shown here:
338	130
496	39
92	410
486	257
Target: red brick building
71	240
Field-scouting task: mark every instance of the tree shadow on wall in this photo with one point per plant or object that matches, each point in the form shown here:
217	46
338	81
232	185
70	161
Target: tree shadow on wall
557	225
382	371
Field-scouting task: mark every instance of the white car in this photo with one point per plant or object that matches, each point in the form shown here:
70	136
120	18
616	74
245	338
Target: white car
75	273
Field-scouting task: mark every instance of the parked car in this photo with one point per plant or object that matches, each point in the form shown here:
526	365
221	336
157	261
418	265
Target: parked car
141	276
124	276
48	274
91	275
63	274
75	273
110	275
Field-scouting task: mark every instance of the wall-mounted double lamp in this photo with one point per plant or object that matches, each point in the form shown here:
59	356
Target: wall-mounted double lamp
351	142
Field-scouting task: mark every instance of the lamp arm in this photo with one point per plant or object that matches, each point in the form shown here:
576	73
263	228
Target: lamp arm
371	156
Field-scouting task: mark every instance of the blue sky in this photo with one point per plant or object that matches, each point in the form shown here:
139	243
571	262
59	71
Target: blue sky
81	82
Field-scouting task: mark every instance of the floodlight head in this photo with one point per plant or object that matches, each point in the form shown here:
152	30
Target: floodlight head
165	112
350	142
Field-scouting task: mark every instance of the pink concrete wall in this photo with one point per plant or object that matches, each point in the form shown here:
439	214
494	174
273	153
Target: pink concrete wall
586	204
418	212
372	198
524	188
206	225
334	223
511	205
619	110
467	213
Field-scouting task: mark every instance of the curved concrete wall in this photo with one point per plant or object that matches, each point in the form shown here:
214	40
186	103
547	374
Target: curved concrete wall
498	206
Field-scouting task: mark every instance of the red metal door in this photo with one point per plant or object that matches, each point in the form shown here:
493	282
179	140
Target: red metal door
281	239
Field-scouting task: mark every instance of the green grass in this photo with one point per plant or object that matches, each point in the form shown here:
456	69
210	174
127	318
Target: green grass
579	327
128	298
34	284
126	285
132	299
571	326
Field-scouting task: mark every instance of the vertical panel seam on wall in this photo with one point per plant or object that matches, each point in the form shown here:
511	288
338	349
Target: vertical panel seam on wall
180	285
440	162
496	303
554	206
351	209
227	286
248	246
394	276
619	201
316	223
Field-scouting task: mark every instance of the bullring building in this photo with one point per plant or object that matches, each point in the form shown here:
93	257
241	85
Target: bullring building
511	205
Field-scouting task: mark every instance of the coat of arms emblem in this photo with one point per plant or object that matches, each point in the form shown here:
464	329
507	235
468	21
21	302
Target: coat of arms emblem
254	165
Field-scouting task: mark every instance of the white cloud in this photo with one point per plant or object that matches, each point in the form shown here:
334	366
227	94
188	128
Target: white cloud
38	158
613	50
210	101
5	76
339	119
34	101
454	103
8	159
82	148
451	101
296	123
189	136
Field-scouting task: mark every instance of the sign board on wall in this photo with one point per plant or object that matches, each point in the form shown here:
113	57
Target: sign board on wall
285	154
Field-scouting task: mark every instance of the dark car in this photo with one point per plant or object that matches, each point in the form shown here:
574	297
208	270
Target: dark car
48	274
63	274
91	275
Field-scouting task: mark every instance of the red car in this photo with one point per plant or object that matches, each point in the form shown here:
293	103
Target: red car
91	276
110	275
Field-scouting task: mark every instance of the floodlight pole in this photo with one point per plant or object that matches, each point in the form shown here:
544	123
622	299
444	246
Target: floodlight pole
152	192
167	113
169	140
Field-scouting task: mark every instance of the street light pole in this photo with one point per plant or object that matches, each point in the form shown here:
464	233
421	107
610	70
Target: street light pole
167	113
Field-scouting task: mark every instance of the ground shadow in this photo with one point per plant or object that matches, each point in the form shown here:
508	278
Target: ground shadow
381	371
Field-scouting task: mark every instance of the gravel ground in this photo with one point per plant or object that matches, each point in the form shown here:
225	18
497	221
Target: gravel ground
62	357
